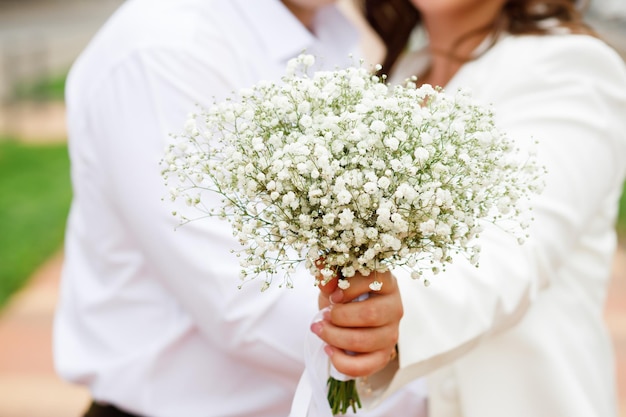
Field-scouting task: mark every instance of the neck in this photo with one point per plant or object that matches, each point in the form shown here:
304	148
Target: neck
453	39
304	14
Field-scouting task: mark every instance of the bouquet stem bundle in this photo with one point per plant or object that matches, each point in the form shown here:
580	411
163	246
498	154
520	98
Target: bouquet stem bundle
342	395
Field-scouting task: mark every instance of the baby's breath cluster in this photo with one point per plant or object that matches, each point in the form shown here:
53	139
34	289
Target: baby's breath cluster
340	166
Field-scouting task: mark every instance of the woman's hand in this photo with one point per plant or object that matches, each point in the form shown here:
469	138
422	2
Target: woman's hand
369	328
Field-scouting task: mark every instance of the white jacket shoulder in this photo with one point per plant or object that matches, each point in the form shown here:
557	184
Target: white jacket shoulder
559	55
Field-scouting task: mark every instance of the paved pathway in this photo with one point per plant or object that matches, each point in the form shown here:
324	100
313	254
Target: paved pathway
28	385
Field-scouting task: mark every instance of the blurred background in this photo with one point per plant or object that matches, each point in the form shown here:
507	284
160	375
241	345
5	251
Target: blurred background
39	40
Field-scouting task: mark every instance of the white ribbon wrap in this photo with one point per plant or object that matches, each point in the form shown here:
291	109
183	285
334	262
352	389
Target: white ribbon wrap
310	399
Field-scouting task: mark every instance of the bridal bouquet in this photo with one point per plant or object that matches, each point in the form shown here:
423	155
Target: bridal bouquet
339	166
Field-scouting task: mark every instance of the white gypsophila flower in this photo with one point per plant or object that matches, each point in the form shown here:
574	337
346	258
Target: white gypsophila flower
341	167
376	285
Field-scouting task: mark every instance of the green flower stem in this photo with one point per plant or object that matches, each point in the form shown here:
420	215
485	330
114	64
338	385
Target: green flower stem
342	395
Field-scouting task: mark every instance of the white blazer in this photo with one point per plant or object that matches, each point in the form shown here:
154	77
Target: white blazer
523	335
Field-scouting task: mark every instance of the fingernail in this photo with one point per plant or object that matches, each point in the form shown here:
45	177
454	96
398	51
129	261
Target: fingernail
317	327
326	312
329	351
336	296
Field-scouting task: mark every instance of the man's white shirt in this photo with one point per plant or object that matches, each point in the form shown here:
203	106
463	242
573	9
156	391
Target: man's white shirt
150	317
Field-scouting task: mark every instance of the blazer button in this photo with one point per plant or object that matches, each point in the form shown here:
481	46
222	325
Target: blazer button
449	389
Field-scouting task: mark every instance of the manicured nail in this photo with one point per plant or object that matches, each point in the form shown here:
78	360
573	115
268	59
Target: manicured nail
336	296
329	351
317	327
326	312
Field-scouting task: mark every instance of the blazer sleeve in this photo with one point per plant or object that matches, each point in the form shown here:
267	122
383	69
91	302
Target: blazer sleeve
569	94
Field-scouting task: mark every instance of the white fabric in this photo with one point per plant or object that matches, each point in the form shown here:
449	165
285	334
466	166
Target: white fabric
523	334
149	317
310	397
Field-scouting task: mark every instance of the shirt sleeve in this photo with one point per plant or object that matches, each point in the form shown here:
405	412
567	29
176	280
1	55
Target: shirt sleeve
144	100
569	96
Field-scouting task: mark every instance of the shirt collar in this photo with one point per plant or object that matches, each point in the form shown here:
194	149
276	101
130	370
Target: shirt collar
283	36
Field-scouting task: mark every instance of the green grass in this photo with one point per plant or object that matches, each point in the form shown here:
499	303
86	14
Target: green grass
35	194
47	88
621	221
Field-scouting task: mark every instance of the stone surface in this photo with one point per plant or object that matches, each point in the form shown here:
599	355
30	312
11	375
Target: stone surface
29	387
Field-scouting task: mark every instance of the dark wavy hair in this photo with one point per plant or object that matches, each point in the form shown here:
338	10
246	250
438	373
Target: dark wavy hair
394	20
